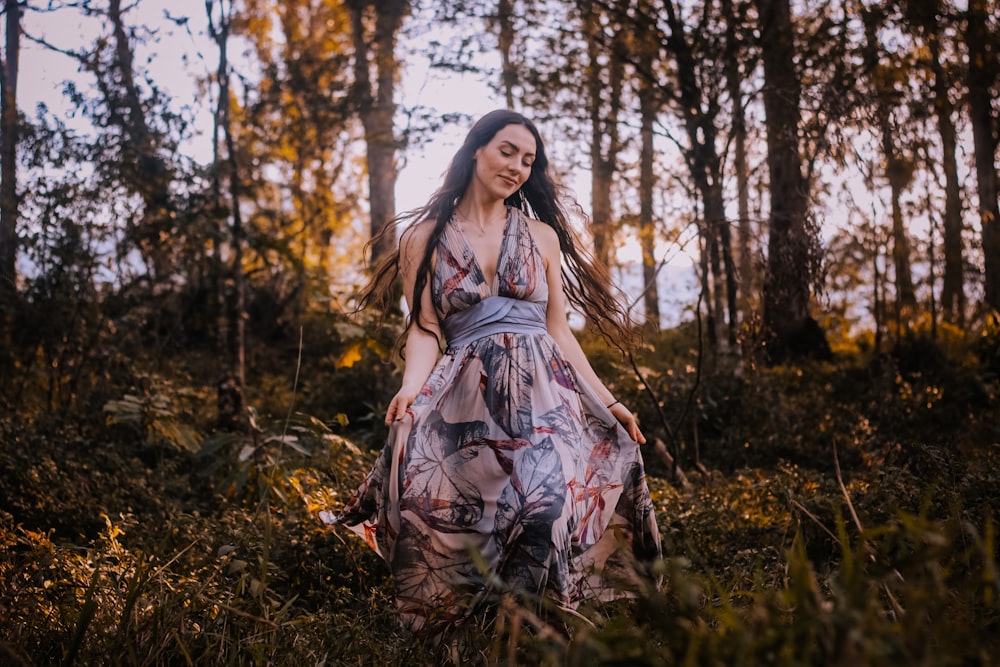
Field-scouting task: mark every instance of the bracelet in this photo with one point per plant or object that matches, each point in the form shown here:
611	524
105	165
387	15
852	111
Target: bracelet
608	406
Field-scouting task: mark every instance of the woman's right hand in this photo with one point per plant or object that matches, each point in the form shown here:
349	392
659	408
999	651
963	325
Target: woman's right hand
399	404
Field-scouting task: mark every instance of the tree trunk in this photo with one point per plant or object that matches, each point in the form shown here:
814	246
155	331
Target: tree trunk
231	281
740	168
715	265
9	127
728	264
705	166
151	176
982	76
647	226
508	74
8	153
878	291
706	290
953	283
931	263
898	176
897	171
790	331
377	107
745	236
604	138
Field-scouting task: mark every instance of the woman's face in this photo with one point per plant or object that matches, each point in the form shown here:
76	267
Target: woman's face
504	164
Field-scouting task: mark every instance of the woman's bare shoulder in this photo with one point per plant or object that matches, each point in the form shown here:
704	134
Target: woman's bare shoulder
414	238
418	231
544	235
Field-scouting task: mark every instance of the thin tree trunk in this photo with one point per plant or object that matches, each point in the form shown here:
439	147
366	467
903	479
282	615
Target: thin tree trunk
728	265
932	266
740	168
237	341
982	76
8	152
9	130
604	142
705	166
897	172
377	107
953	283
647	226
897	175
704	234
745	234
508	74
232	331
877	309
715	265
152	177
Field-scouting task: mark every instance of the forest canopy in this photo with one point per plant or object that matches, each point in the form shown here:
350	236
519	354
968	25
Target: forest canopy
824	163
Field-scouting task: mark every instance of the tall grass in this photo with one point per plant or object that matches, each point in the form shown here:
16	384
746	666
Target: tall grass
118	546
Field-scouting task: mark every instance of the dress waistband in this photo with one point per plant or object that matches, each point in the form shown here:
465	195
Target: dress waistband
494	314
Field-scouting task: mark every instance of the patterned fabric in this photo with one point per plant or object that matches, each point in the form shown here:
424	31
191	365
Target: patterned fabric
506	470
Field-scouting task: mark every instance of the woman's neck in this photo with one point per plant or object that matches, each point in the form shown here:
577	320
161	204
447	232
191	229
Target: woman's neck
480	213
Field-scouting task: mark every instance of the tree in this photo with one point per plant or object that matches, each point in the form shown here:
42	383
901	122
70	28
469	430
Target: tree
929	19
296	137
646	47
505	42
147	171
695	95
375	24
9	126
231	283
136	129
791	257
605	73
898	170
8	151
983	76
735	17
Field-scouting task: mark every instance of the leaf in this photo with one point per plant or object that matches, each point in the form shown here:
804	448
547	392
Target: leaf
247	451
290	440
350	356
347	329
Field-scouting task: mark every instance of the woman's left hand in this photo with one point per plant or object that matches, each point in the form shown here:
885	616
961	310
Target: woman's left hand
627	420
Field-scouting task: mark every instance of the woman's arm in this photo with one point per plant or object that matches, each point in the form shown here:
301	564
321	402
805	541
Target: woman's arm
558	327
421	349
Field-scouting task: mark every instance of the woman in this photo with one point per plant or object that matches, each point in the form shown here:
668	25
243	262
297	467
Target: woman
508	461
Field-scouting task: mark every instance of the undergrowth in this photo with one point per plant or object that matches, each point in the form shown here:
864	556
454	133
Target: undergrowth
835	514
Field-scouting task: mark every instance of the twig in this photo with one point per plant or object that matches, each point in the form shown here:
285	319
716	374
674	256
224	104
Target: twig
675	455
295	386
843	490
816	520
897	607
661	449
244	614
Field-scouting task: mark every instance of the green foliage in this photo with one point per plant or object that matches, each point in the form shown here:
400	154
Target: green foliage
348	374
154	416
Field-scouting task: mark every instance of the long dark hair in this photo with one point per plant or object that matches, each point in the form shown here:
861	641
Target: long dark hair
586	283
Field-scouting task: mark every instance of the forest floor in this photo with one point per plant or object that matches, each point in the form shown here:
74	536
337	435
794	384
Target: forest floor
831	514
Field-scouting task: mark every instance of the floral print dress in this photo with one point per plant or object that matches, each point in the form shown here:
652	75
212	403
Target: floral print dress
507	470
